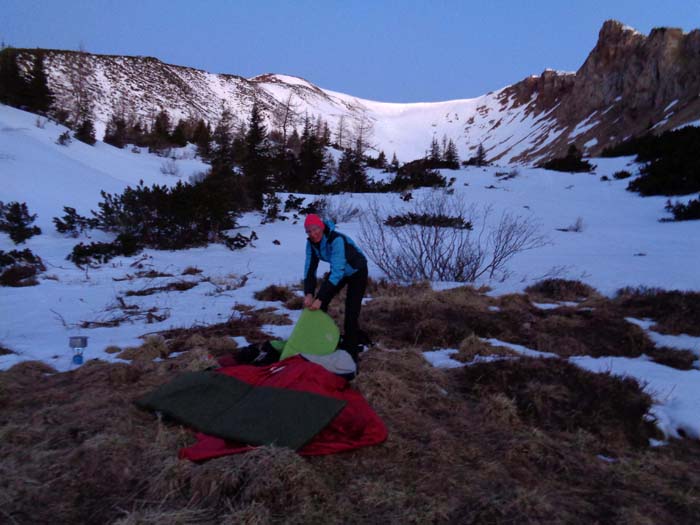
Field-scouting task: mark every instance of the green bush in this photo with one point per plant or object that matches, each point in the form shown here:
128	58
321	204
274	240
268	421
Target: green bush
572	162
424	219
672	163
160	217
19	268
684	212
416	174
16	221
97	253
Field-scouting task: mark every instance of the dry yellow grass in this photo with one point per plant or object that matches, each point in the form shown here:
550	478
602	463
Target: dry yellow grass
515	441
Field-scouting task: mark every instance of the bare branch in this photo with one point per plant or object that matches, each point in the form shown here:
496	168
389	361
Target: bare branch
432	251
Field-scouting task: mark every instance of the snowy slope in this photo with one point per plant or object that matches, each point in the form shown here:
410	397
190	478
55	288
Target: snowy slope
622	243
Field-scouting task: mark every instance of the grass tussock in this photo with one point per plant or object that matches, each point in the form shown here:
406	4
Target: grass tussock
245	322
419	316
269	315
513	441
274	292
561	290
74	449
296	302
461	317
153	347
178	286
555	395
675	312
673	357
600	332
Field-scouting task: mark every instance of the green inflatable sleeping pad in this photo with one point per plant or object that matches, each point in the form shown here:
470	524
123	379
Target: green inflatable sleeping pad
315	333
229	408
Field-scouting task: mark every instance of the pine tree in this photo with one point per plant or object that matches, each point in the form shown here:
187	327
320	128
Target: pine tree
311	159
15	220
116	132
160	132
221	152
179	135
394	164
201	136
451	156
381	160
294	142
480	159
351	172
39	96
256	156
326	134
13	87
434	153
86	132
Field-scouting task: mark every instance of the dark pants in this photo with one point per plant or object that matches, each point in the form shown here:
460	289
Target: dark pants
357	283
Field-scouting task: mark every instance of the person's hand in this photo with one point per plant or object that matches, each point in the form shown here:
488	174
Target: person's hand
308	300
315	305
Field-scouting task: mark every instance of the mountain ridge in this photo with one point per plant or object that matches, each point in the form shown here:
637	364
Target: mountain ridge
629	84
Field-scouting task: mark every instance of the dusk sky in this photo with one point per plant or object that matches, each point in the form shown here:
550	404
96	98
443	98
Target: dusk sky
393	51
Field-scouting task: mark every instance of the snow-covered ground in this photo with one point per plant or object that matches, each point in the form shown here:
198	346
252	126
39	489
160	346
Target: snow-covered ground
621	243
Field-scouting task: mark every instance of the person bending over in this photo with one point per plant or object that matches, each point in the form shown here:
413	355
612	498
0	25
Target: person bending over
348	267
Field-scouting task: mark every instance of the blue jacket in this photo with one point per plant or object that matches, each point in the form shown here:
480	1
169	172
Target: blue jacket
337	249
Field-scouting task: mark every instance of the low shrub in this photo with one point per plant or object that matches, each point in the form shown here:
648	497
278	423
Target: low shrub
72	223
161	217
16	221
334	209
622	174
97	253
64	139
572	162
424	219
562	290
415	174
672	163
20	268
424	249
689	211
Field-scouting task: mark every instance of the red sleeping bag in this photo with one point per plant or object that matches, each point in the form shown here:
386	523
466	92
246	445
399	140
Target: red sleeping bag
357	425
